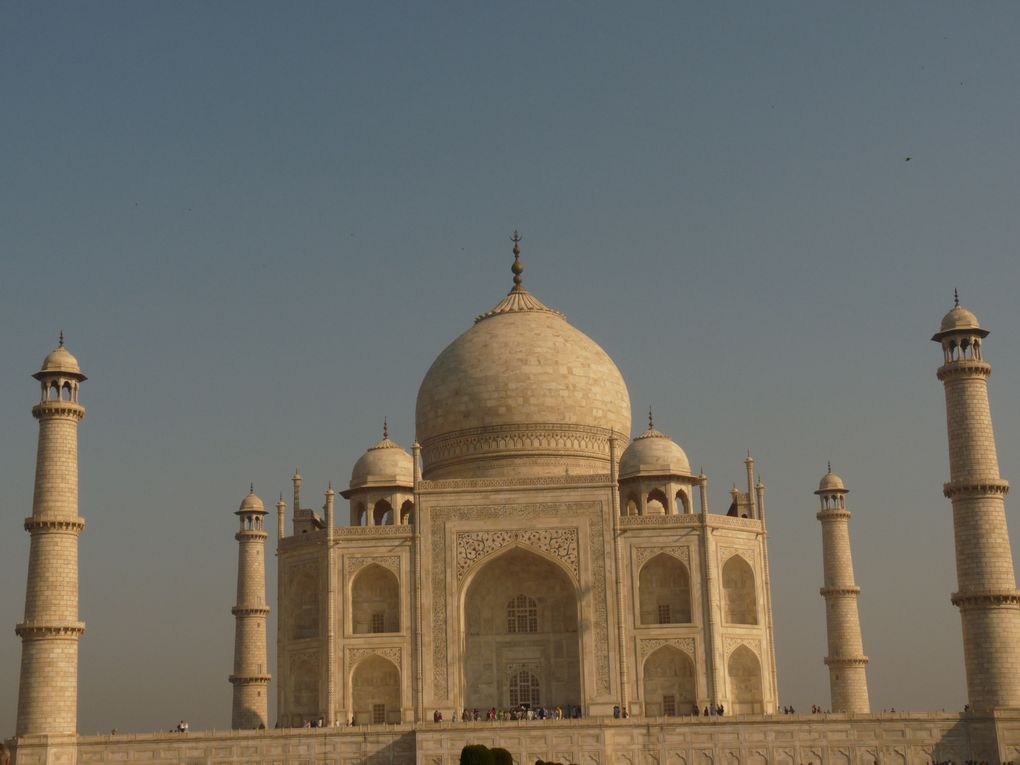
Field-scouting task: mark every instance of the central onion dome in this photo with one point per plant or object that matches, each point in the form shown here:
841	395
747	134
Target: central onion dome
522	393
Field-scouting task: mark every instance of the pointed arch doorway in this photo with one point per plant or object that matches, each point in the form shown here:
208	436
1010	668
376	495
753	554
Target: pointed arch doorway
521	643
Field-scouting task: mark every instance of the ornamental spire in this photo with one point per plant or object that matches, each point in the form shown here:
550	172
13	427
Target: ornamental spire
385	428
61	344
651	418
956	298
517	268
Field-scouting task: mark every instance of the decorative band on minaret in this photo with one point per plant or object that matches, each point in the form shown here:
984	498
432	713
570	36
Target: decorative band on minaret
48	690
986	596
848	680
251	665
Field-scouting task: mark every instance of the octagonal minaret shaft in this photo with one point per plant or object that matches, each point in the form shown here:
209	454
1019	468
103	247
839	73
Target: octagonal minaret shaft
251	666
848	680
986	596
48	690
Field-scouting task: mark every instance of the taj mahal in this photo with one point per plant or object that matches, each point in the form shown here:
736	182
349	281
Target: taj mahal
527	552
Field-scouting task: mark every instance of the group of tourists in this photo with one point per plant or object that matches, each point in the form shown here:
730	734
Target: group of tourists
713	710
519	712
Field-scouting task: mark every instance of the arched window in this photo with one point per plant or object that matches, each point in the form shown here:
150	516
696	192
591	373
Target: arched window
682	505
664	591
656	503
740	601
631	507
382	513
522	615
375	691
407	512
669	683
745	682
524	689
375	601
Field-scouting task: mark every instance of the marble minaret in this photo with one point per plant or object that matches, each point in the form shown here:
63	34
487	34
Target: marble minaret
251	664
848	680
987	595
48	690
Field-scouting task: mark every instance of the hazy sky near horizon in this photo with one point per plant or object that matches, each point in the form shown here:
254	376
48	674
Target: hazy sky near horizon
257	224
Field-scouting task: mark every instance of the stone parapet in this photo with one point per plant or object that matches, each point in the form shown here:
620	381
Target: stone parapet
911	739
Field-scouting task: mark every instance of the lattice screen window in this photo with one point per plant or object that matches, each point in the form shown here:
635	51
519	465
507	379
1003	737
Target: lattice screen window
664	614
378	622
522	615
378	714
669	705
524	689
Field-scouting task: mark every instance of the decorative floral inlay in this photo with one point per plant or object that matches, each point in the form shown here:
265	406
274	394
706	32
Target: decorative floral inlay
472	546
730	644
642	554
653	644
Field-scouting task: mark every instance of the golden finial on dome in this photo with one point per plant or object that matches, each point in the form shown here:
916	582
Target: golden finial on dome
517	268
956	298
651	419
61	344
385	428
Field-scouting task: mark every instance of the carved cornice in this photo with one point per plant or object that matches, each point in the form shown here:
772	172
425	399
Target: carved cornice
250	679
833	515
38	631
685	519
58	409
986	487
249	611
251	535
846	661
827	591
653	644
729	522
473	546
967	367
72	525
985	599
374	531
448	484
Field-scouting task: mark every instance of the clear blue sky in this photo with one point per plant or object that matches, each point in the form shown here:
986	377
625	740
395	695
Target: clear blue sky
258	223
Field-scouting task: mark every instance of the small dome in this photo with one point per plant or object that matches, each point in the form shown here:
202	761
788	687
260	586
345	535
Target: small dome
385	464
959	318
831	482
60	361
251	503
653	453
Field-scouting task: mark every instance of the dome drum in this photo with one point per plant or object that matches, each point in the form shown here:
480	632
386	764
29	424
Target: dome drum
539	449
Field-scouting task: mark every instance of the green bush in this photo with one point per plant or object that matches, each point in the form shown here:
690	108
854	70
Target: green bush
501	756
476	754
